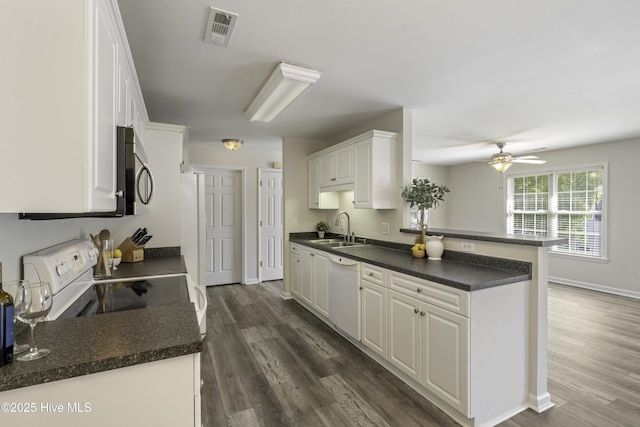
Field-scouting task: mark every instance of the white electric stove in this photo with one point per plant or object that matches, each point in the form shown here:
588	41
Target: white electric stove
68	268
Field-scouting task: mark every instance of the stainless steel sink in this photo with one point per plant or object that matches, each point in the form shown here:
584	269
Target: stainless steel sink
325	241
336	243
341	244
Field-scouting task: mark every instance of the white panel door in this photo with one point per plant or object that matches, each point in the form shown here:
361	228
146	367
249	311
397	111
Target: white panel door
271	226
223	205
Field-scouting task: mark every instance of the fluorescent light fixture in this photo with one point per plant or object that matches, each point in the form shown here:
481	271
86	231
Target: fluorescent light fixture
285	84
232	143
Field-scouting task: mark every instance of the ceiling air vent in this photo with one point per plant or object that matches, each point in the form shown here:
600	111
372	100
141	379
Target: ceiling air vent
220	26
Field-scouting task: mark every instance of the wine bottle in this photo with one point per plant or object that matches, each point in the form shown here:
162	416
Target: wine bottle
6	325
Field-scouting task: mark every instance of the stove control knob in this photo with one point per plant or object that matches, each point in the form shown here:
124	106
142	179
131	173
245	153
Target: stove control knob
62	268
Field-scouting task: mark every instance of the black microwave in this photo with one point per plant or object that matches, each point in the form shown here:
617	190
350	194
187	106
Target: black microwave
134	181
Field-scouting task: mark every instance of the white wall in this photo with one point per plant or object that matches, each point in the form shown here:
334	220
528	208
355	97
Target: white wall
20	237
477	203
250	157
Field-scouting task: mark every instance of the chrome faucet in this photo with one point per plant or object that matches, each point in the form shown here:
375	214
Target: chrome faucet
347	237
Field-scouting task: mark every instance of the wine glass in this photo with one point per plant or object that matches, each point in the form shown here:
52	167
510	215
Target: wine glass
12	287
33	304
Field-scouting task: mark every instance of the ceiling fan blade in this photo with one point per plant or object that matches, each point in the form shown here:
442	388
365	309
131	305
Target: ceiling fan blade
530	161
526	157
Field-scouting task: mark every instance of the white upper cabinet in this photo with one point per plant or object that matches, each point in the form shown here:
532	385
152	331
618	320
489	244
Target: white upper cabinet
336	168
375	171
318	200
62	78
102	162
365	164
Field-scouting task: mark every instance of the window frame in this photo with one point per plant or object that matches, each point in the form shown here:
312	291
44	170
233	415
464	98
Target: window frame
552	211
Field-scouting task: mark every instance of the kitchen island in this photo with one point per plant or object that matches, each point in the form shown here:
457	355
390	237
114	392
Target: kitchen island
136	367
468	332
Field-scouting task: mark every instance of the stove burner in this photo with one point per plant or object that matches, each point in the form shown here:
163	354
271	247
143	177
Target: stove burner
122	296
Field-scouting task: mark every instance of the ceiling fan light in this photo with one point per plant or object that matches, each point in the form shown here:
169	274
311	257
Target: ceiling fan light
501	166
232	143
284	85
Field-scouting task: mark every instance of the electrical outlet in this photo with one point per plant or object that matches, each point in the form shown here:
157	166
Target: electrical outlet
385	228
295	222
467	247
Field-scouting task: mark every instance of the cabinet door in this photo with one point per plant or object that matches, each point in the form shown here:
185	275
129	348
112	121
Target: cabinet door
446	356
314	185
321	284
296	272
102	163
344	166
122	101
363	192
307	275
327	166
374	317
404	332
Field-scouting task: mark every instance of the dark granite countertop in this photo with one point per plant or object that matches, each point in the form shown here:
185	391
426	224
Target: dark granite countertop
86	345
510	239
151	266
459	270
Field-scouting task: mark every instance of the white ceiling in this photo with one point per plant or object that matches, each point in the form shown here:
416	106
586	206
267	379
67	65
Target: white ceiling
536	74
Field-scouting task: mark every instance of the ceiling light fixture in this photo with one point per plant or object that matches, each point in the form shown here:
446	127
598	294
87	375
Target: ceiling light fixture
232	143
500	164
284	85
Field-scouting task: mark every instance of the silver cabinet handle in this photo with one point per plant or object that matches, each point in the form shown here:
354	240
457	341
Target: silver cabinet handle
371	274
415	310
422	313
419	290
361	287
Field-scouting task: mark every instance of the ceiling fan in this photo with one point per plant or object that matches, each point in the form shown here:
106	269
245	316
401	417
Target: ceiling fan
502	161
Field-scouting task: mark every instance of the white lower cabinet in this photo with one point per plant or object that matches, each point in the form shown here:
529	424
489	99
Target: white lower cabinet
314	279
421	331
405	332
431	345
296	270
307	271
374	316
445	355
160	393
321	288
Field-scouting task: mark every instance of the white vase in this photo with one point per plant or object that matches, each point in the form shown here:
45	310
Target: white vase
321	234
435	248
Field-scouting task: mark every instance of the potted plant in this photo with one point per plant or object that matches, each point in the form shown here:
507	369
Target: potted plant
321	227
423	194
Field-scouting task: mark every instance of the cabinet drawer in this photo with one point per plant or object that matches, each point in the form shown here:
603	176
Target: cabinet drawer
372	273
295	249
446	297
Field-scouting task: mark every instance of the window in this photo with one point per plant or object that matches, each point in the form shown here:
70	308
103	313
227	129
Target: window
565	203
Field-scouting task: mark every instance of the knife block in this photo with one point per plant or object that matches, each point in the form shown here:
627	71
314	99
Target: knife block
130	251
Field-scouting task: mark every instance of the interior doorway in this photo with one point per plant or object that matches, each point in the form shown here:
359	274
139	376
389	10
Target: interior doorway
270	222
223	208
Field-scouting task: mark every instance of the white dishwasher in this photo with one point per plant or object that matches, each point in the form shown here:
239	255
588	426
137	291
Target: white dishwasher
344	295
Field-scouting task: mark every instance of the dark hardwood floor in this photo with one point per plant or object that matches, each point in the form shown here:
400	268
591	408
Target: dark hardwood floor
269	362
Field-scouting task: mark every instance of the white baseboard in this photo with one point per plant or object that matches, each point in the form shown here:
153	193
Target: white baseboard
286	295
251	282
595	287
